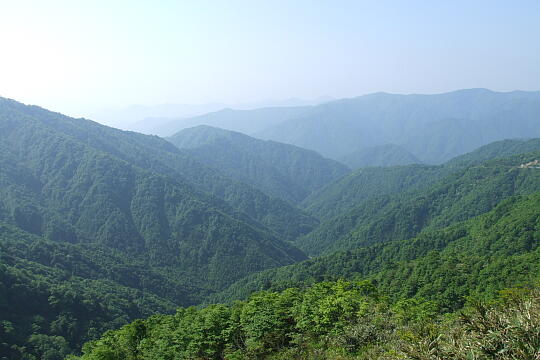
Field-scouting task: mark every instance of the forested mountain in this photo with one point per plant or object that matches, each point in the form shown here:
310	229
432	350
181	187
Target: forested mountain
495	150
245	121
381	155
466	193
83	206
481	255
281	170
434	128
99	227
157	155
417	280
55	296
348	192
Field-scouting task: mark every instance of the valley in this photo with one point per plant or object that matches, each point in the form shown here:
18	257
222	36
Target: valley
100	227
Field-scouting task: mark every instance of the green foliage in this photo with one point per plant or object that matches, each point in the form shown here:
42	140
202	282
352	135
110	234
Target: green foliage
281	170
381	155
362	185
264	325
47	144
481	255
456	197
331	320
99	227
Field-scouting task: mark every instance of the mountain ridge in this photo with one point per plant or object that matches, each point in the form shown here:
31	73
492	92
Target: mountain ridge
281	170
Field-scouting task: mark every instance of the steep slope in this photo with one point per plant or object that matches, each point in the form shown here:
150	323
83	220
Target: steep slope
350	191
382	155
434	128
426	315
280	170
495	150
100	227
245	121
56	296
58	187
462	195
479	256
160	156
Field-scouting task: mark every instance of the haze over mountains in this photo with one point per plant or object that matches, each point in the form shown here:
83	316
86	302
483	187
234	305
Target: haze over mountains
99	226
434	128
386	129
159	119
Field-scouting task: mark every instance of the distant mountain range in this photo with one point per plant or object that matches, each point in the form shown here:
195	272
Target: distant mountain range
99	226
166	119
244	121
385	129
433	128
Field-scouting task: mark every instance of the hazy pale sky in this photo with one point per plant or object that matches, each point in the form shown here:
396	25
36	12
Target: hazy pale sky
72	56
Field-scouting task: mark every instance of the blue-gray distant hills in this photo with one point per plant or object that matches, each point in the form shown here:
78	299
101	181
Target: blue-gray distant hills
430	128
434	128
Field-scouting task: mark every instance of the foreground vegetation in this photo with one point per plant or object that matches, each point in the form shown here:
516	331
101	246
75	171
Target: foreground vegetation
99	228
436	296
333	320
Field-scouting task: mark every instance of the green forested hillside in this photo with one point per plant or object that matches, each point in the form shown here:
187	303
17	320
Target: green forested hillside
281	170
459	196
56	296
417	279
21	125
481	255
99	227
495	150
82	195
350	191
381	155
362	184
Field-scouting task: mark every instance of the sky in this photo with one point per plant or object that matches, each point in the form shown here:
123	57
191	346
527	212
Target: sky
78	56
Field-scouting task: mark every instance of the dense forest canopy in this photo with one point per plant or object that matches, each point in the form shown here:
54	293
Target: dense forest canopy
108	239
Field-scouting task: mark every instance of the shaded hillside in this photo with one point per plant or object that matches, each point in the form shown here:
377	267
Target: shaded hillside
495	150
459	196
59	187
434	128
381	155
425	278
56	296
350	191
157	155
99	226
479	256
280	170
